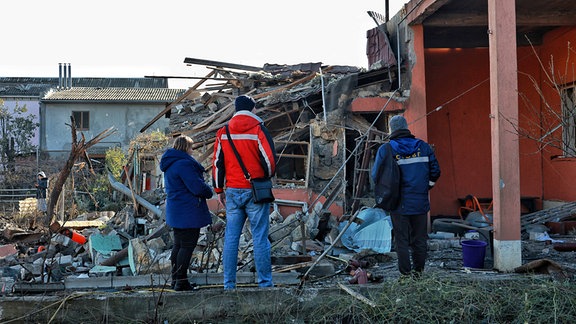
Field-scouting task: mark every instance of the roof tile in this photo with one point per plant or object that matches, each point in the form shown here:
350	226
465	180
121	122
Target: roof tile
114	94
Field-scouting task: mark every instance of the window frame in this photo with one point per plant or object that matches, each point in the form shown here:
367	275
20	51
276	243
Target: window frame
82	123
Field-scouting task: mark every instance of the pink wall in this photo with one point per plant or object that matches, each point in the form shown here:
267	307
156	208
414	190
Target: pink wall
290	195
457	81
559	173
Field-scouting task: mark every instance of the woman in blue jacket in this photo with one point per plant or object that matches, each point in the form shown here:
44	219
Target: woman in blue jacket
186	207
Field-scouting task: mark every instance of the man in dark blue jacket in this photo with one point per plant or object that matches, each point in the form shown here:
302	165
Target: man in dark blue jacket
41	187
419	172
186	207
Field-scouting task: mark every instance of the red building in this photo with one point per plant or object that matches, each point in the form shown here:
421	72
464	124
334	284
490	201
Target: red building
446	69
491	84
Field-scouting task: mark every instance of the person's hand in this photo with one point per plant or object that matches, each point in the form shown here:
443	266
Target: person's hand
222	198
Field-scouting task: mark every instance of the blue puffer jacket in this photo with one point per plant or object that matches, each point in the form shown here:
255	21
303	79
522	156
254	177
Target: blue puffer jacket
419	168
186	190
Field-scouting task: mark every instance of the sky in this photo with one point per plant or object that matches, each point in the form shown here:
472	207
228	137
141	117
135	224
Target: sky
129	38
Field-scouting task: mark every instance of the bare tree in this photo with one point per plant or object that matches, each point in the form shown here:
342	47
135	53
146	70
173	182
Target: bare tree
77	151
550	125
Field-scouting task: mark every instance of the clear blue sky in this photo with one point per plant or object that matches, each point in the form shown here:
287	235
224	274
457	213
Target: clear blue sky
128	38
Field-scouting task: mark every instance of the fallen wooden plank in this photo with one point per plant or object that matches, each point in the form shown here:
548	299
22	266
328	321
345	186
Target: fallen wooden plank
292	267
221	115
357	295
551	214
178	100
77	224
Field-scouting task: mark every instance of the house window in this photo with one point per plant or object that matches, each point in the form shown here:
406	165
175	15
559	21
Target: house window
569	121
82	119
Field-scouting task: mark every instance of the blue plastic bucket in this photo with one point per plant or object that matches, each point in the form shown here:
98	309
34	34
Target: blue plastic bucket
473	253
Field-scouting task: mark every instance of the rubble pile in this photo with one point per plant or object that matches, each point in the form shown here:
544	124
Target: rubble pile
105	244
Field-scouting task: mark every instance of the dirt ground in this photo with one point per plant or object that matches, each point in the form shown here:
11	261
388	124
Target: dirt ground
445	258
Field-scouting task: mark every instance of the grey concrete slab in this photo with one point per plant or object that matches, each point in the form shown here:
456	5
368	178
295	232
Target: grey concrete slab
159	280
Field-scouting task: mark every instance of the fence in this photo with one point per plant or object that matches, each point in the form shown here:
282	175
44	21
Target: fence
22	201
15	195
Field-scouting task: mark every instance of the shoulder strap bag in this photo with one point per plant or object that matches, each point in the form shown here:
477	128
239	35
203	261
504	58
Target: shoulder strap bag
387	186
261	187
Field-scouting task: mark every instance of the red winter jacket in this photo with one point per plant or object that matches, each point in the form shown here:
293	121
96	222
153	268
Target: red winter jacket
255	146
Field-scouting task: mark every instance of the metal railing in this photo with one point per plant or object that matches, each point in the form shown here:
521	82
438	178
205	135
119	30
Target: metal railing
15	195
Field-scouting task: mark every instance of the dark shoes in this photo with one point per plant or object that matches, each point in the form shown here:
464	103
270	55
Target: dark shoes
184	285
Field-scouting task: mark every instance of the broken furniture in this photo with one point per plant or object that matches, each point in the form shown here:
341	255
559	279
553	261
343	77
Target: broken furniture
528	203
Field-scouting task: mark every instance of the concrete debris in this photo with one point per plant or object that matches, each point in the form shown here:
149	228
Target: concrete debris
7	250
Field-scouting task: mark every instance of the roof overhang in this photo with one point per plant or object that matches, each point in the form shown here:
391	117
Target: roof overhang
464	23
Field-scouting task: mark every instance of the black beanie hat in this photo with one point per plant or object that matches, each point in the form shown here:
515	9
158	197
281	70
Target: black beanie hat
244	103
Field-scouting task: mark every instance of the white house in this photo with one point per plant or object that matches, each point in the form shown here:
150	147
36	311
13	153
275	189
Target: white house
27	91
97	109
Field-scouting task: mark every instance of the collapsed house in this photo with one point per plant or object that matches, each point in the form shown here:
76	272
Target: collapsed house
324	152
324	148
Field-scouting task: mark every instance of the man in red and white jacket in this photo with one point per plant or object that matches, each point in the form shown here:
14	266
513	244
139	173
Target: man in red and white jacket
256	149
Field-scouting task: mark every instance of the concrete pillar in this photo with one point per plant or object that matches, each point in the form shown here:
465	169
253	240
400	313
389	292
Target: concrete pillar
417	106
505	148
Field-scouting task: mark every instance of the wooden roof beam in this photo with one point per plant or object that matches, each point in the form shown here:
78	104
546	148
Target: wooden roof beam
190	60
474	19
178	100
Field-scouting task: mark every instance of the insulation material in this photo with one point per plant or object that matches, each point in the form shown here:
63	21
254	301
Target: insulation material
372	230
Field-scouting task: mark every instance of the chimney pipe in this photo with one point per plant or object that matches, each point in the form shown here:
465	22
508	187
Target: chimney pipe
59	75
387	5
65	81
69	75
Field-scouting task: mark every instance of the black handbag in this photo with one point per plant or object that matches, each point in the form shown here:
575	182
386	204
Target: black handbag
261	187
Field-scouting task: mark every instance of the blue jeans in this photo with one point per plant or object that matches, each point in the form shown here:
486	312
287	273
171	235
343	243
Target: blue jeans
239	206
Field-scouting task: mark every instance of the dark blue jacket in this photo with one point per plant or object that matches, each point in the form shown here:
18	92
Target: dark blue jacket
186	190
41	188
419	168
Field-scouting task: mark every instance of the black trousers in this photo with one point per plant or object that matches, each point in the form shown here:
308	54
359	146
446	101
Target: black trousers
410	239
185	240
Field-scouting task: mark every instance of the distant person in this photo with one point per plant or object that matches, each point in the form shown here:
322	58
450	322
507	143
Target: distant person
41	188
186	208
419	172
256	148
